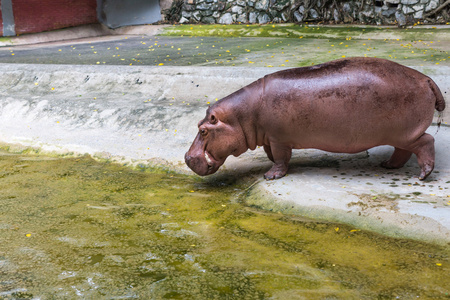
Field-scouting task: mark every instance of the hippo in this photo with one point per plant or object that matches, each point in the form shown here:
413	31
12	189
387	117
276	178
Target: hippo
343	106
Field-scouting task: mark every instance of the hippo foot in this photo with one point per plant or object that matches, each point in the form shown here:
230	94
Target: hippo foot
426	170
275	173
389	165
398	159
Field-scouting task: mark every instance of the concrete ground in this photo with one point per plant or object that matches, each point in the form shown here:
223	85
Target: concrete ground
147	113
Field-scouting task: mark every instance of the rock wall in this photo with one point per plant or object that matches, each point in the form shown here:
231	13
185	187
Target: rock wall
380	12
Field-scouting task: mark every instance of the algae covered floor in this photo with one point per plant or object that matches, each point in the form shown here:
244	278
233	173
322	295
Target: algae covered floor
77	228
269	45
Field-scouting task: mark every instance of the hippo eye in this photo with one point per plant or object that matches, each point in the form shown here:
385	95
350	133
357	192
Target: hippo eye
203	132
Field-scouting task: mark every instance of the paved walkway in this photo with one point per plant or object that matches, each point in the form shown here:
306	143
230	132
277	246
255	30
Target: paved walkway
140	46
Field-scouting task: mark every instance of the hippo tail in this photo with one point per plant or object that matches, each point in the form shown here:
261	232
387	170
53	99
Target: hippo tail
440	102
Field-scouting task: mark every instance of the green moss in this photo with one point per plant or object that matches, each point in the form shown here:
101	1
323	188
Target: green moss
76	227
5	40
295	52
249	46
307	31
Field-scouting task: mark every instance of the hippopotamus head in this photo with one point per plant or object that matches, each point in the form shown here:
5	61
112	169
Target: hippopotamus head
219	135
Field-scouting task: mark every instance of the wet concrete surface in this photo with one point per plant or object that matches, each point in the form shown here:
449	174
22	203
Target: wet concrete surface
179	50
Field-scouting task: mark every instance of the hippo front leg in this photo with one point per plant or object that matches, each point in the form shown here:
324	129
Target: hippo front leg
280	155
268	151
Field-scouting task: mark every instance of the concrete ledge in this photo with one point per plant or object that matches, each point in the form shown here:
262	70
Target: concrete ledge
80	32
354	189
138	113
149	115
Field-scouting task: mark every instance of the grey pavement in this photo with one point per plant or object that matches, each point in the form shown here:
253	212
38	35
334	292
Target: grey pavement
168	46
148	115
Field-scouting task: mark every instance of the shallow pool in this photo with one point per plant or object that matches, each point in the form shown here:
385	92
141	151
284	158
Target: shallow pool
77	228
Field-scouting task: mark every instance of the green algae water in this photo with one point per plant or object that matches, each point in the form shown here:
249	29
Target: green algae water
75	228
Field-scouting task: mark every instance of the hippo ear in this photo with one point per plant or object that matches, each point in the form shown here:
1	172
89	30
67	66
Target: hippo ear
212	119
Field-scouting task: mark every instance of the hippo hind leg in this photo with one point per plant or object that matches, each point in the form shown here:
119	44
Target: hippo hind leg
423	148
398	159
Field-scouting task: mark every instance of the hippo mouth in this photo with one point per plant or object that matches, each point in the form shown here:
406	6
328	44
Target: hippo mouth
209	161
212	163
203	163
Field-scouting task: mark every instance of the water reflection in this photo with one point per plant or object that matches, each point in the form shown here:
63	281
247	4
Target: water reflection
76	228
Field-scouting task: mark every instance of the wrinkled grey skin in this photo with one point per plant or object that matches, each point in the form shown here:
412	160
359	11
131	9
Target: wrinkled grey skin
344	106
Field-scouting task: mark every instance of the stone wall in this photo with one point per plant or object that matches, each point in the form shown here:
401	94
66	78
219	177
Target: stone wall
380	12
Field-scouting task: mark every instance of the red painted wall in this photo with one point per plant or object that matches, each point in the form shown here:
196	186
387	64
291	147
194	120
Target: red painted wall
44	15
